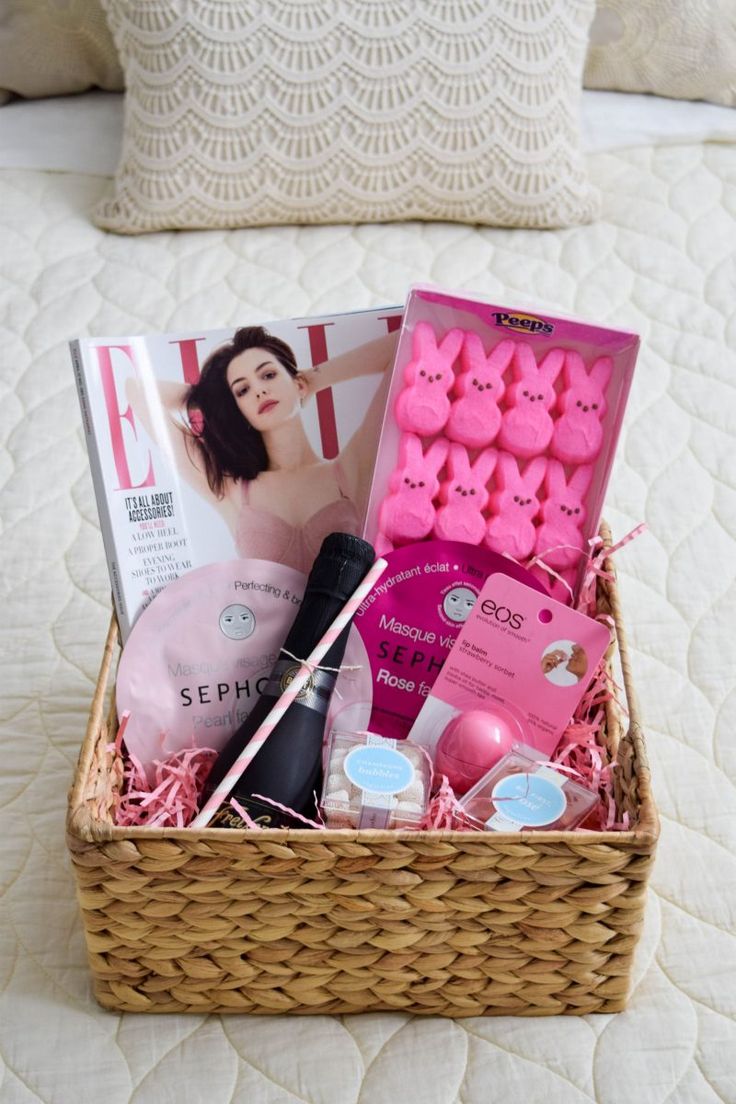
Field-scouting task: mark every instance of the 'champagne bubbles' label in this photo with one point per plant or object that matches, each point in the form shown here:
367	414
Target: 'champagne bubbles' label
379	769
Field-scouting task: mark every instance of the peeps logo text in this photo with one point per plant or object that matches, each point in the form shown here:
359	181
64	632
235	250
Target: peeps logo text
522	323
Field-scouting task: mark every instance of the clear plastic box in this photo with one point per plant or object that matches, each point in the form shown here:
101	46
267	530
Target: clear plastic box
523	792
373	782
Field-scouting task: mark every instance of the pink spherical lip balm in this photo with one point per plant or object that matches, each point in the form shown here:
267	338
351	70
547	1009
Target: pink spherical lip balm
472	743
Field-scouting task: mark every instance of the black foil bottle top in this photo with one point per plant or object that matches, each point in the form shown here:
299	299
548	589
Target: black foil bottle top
341	564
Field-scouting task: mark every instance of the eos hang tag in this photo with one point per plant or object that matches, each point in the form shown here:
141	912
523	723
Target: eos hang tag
519	651
404	630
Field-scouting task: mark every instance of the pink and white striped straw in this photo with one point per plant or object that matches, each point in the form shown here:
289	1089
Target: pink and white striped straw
262	733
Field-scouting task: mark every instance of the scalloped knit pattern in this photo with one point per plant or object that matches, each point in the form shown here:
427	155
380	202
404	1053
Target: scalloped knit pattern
300	111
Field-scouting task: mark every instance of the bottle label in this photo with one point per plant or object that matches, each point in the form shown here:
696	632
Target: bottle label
316	692
527	801
263	815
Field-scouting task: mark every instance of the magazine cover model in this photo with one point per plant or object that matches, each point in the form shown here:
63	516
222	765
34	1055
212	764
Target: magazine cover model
212	445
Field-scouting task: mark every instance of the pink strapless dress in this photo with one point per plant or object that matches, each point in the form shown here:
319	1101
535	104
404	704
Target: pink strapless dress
264	536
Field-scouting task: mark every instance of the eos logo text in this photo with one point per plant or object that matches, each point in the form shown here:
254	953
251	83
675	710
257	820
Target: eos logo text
522	323
502	614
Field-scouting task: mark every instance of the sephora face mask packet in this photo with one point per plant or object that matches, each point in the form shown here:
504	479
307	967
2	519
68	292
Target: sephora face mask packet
404	631
200	654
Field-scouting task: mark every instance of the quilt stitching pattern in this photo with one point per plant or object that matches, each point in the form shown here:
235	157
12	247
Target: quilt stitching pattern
660	262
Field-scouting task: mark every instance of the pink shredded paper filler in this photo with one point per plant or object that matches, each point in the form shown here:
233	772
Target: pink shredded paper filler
172	799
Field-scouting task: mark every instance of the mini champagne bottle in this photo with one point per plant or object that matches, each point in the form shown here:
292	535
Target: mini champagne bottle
288	768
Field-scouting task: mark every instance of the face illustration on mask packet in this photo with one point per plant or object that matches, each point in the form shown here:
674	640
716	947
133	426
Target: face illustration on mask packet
498	660
237	621
199	656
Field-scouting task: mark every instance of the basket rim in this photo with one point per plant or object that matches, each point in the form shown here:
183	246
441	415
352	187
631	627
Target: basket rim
635	837
83	827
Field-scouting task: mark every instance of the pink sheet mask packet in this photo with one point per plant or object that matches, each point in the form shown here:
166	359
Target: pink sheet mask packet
520	655
533	403
200	654
404	630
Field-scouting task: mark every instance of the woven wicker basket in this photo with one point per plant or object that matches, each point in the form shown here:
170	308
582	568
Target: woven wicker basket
443	923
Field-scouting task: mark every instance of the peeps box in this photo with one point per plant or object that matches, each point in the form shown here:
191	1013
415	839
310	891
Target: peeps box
500	429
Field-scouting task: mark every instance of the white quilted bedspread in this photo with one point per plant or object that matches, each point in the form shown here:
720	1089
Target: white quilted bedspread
660	262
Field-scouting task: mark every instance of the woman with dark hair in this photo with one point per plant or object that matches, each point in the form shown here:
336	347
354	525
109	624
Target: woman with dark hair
243	445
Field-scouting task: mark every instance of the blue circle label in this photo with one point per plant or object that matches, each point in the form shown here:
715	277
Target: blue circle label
529	799
378	769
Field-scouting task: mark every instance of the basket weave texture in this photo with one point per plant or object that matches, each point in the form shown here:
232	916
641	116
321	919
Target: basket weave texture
444	923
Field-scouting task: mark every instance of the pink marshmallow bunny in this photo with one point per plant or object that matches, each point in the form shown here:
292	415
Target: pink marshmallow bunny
526	428
514	506
474	417
464	496
423	406
407	513
578	434
559	537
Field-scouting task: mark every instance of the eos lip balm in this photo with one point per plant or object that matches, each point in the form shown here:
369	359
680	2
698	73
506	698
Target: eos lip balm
472	743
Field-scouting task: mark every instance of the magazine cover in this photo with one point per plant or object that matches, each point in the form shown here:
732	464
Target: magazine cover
211	445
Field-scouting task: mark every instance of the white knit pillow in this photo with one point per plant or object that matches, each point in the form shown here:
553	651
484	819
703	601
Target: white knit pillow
301	111
680	48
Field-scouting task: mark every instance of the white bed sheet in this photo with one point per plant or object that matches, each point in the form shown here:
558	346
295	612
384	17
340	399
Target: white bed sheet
660	261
